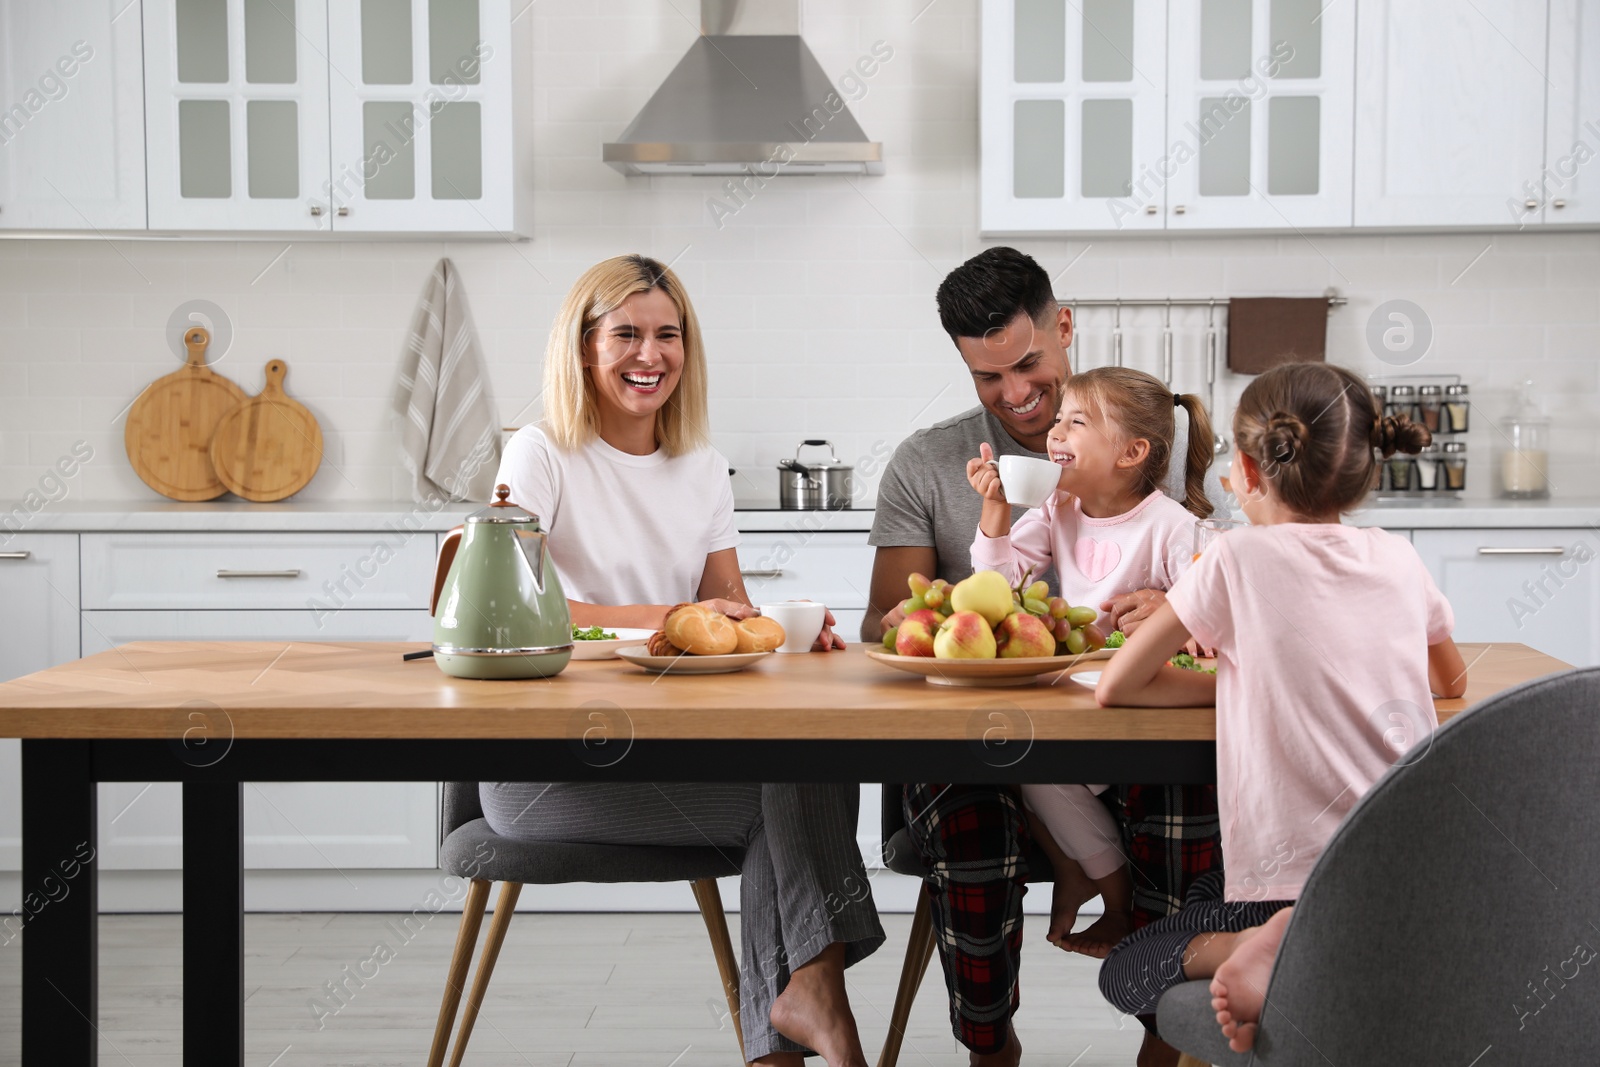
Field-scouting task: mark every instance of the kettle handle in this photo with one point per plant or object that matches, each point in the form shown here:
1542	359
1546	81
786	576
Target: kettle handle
447	556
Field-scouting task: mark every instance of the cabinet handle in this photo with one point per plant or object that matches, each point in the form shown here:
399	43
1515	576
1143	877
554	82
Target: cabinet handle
316	211
1149	209
344	211
1558	204
774	573
1179	210
1530	203
15	555
1485	551
224	572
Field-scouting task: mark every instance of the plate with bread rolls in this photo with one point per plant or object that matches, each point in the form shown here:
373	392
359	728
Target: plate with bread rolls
696	640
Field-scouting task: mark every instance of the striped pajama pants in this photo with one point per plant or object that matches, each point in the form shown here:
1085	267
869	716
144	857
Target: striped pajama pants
1149	961
802	885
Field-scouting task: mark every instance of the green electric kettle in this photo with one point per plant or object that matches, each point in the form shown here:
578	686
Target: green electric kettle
498	609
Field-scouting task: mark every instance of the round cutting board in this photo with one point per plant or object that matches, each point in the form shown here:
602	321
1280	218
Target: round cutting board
168	434
269	446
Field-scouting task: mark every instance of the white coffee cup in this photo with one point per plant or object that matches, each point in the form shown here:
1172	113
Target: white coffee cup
1028	481
801	621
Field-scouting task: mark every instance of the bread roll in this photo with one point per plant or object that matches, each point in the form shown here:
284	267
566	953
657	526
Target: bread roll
700	631
758	634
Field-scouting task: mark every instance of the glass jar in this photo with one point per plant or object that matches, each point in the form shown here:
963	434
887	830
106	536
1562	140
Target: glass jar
1427	466
1402	472
1455	466
1457	408
1430	404
1403	401
1380	472
1525	450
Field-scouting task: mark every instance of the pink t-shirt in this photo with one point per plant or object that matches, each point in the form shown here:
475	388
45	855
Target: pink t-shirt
1095	559
1322	635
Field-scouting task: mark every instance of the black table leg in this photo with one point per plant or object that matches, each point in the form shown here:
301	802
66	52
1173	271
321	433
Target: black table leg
213	923
60	904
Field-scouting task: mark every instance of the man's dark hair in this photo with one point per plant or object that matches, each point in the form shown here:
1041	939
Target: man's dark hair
990	289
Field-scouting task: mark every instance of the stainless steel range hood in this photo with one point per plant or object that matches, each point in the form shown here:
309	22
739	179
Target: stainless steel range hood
748	95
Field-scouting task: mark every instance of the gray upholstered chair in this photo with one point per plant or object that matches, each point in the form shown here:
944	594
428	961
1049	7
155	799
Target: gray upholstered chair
900	857
471	850
1454	910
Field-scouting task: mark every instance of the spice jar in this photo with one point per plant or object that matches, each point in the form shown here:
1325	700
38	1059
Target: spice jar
1430	401
1402	469
1525	450
1427	466
1457	406
1403	401
1455	466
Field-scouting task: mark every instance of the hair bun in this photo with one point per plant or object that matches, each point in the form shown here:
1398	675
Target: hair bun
1285	438
1397	433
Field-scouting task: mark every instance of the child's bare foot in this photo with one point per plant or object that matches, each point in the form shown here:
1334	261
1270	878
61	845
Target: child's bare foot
813	1010
1072	890
1239	990
1010	1056
1101	936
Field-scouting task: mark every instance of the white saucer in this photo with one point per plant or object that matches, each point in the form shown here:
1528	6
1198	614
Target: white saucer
1087	679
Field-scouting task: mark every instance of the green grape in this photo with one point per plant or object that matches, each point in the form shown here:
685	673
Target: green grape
1082	616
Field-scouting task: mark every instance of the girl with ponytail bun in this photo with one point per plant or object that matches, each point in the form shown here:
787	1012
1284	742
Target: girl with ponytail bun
1328	637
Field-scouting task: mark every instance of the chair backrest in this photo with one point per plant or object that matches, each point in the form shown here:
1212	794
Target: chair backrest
461	806
1454	909
891	811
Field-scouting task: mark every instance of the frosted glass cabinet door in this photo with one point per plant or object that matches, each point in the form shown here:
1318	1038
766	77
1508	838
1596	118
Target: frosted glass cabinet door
72	134
1073	96
236	98
1570	190
1259	114
420	112
1450	111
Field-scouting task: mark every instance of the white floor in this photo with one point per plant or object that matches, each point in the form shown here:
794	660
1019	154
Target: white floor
620	990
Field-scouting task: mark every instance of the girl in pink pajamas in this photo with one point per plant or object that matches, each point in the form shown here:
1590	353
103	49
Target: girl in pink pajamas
1108	531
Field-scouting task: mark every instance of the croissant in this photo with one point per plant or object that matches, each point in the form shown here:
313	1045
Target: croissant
758	634
700	631
658	645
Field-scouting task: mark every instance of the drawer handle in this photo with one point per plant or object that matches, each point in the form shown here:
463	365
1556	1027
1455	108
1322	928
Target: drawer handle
1482	551
290	573
15	555
775	573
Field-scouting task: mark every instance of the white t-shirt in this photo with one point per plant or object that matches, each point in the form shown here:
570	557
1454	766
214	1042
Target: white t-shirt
1322	633
623	529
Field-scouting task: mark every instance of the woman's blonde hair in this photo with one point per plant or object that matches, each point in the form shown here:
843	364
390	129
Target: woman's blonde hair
571	414
1142	407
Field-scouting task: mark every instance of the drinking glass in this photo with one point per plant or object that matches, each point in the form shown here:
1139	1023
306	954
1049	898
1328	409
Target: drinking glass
1208	530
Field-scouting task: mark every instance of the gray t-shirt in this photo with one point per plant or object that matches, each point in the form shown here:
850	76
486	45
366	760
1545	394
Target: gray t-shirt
925	501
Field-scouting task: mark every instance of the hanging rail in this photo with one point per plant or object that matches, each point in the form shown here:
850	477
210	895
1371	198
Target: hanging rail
1334	300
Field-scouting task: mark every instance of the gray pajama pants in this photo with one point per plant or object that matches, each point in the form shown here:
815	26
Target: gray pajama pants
802	884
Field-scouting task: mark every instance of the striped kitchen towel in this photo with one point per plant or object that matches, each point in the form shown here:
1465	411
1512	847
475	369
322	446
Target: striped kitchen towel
450	437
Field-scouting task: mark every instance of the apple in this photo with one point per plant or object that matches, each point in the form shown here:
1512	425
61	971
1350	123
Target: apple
987	593
915	635
965	635
1022	635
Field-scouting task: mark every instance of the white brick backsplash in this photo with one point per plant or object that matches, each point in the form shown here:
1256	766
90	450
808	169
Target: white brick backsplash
816	296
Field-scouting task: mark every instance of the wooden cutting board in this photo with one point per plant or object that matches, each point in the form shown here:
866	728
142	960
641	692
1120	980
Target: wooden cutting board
269	446
169	429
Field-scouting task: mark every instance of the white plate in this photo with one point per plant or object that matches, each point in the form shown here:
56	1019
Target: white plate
606	649
1087	679
687	664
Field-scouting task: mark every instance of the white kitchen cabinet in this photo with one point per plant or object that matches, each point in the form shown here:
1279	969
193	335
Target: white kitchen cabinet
1260	98
1534	587
236	113
72	134
421	106
1569	191
39	588
1450	112
832	568
1073	115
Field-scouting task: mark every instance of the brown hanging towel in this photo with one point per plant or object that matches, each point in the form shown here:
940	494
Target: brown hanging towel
1266	331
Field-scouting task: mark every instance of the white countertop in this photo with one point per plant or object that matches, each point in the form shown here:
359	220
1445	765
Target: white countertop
753	517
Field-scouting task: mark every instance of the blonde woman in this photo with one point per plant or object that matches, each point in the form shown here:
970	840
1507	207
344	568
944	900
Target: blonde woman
639	512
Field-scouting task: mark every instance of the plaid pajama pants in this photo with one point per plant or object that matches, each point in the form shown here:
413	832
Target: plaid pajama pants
974	840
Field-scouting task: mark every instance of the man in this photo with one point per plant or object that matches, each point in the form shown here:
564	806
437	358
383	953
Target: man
1002	315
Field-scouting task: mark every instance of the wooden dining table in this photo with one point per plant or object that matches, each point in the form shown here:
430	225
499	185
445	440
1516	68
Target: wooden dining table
214	715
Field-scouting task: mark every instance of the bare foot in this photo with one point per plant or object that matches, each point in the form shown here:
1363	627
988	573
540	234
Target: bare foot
813	1010
1239	989
1010	1056
1101	936
1072	890
1157	1053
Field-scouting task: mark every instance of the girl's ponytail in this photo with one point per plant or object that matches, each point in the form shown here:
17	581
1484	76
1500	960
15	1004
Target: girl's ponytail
1199	456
